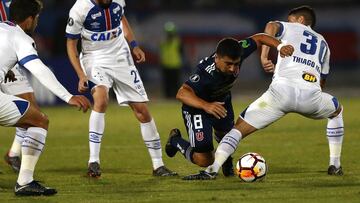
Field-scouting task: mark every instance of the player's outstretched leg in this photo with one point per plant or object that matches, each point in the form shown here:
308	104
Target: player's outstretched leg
151	138
227	167
96	130
335	135
12	157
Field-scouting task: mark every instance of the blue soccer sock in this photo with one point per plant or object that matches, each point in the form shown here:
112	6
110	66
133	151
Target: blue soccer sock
183	147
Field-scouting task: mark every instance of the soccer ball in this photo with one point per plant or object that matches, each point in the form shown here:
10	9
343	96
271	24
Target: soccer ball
251	167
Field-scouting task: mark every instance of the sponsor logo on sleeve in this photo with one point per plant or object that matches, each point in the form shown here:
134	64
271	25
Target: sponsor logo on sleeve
195	78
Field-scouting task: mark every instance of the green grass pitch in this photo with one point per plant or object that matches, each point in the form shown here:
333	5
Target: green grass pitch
295	149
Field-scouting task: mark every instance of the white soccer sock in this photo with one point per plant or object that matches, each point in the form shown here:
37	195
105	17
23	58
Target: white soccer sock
96	131
15	149
33	144
151	138
226	147
335	135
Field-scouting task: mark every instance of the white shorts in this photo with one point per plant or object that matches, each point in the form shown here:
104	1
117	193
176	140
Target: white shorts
12	108
20	86
124	79
282	98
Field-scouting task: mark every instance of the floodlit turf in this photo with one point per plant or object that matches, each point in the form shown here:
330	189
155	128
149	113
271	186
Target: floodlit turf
295	149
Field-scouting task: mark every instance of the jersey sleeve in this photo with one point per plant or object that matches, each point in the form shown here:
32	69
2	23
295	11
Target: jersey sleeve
25	49
249	46
75	23
198	81
282	29
326	64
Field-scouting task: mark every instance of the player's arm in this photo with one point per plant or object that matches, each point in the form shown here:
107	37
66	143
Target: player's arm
271	29
130	38
48	79
325	68
73	54
187	96
266	39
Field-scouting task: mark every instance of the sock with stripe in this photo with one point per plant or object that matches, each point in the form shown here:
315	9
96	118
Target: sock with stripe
151	139
335	135
226	147
96	131
15	149
183	147
31	148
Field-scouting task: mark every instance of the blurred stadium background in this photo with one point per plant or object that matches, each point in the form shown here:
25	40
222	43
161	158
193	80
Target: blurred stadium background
200	24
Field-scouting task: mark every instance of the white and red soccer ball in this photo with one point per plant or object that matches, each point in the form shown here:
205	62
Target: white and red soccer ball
251	167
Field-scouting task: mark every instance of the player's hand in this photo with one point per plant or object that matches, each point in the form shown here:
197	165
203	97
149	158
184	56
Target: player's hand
286	50
267	65
81	102
139	55
83	84
216	109
10	77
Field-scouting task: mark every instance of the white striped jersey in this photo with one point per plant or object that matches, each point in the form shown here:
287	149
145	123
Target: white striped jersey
16	47
100	31
310	60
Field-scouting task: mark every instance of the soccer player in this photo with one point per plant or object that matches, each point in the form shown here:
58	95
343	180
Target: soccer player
20	87
296	87
15	111
206	98
106	62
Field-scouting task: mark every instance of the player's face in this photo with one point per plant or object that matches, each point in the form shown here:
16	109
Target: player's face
227	65
104	3
33	24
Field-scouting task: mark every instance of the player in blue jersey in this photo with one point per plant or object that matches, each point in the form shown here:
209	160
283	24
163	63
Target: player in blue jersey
206	99
105	63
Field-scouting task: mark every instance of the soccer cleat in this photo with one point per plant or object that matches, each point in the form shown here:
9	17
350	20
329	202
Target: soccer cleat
94	170
33	188
332	170
228	168
169	149
202	175
13	162
162	171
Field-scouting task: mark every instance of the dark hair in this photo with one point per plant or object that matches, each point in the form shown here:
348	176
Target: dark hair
229	47
22	9
307	12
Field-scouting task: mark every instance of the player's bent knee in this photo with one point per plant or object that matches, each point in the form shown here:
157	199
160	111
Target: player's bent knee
203	159
337	112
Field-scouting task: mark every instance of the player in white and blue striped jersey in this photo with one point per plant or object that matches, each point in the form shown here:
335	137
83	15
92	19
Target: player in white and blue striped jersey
106	62
18	47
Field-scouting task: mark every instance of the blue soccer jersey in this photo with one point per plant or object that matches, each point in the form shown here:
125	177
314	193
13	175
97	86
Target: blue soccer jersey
212	85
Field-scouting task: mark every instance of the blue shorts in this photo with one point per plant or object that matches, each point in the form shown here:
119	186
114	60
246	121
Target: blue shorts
200	125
